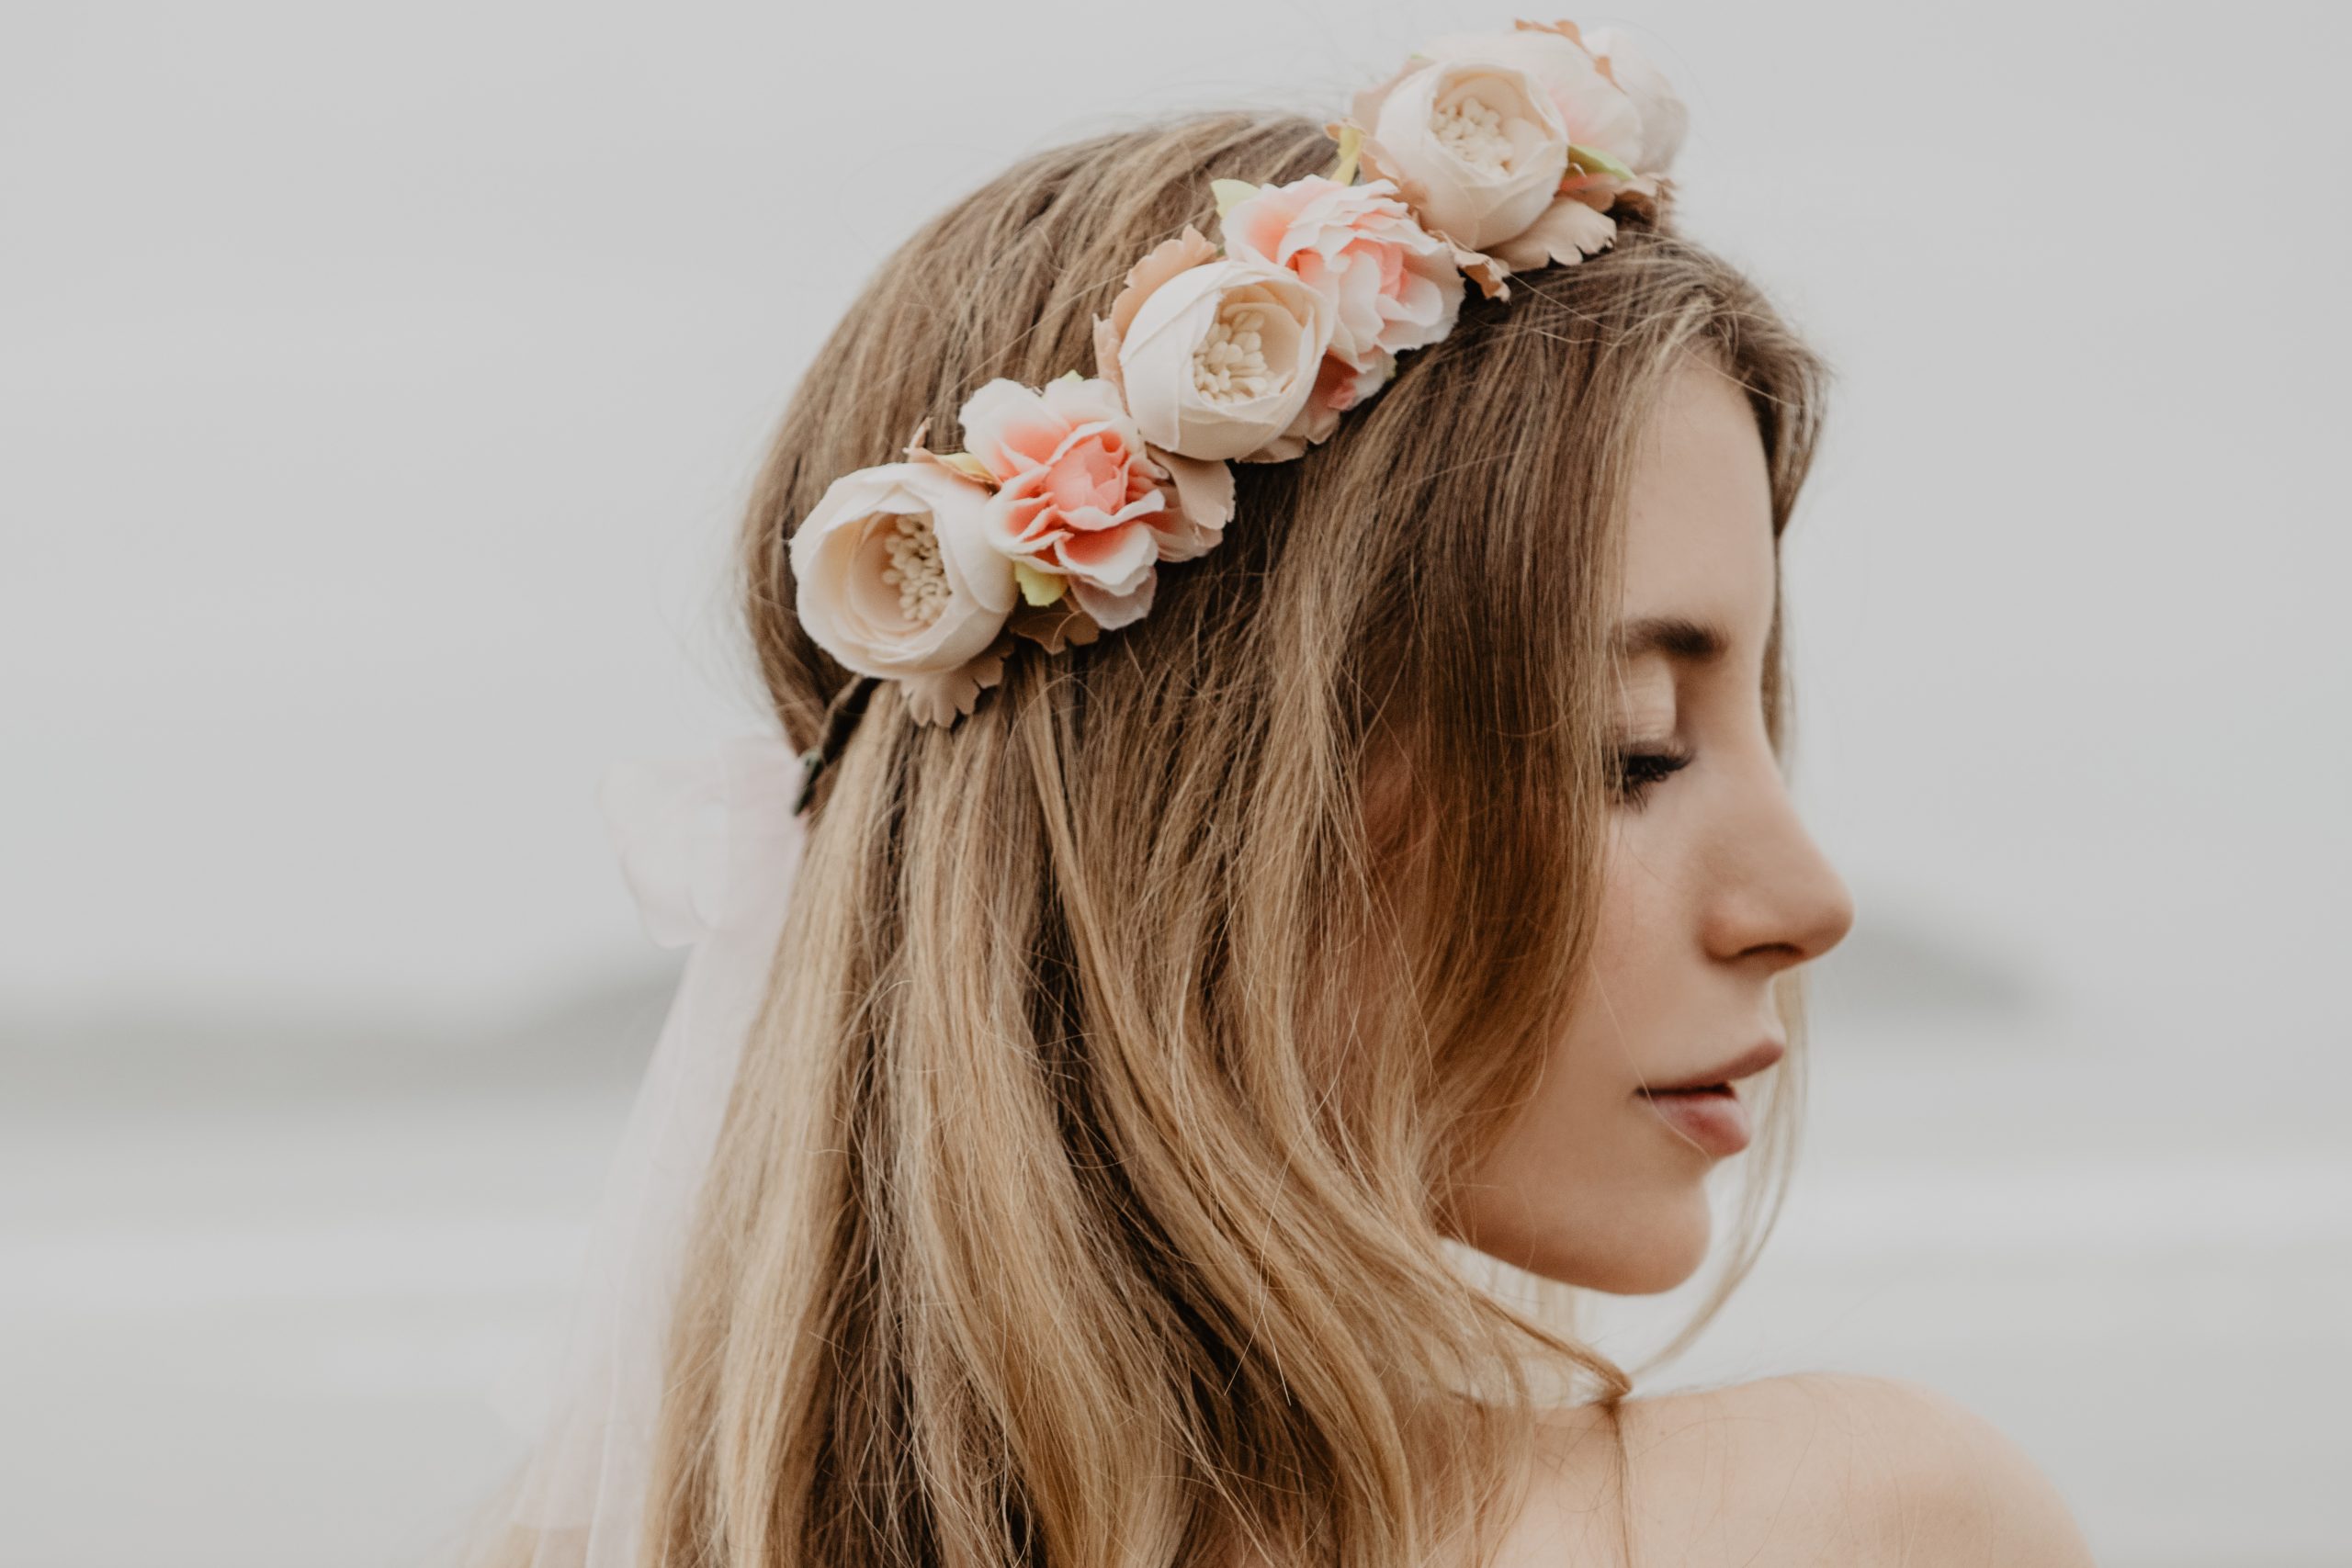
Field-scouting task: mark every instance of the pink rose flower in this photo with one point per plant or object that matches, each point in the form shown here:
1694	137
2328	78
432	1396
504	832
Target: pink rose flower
1081	495
1391	285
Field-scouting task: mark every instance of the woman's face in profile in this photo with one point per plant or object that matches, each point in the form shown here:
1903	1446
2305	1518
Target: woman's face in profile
1712	888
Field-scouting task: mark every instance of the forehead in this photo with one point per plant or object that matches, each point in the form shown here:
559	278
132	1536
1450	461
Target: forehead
1699	526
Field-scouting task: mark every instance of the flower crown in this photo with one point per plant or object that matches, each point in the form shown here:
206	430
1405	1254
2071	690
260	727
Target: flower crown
1485	155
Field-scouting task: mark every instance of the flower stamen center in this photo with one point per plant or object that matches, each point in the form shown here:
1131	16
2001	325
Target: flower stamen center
1473	133
1230	365
915	568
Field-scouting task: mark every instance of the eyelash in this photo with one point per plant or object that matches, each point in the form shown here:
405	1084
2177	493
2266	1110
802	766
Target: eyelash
1638	771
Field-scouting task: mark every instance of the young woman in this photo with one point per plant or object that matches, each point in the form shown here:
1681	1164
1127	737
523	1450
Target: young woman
1377	866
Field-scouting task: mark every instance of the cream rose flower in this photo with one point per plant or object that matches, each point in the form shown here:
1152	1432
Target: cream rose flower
1665	119
1214	359
1619	136
1081	497
1476	149
896	579
1596	112
1391	285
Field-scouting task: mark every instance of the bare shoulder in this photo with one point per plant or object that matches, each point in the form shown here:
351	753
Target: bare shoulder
1817	1468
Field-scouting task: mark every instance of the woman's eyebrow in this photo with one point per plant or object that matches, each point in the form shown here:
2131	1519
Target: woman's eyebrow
1677	636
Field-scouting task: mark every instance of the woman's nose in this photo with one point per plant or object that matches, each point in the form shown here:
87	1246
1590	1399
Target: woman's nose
1783	896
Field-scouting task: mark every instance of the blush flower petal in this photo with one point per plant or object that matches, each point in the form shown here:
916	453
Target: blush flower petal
1218	359
1478	148
1568	232
1392	286
1664	117
1596	112
1083	500
894	575
1204	504
1164	261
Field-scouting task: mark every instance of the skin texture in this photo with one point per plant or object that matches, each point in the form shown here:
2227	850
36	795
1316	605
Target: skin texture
1711	888
1797	1472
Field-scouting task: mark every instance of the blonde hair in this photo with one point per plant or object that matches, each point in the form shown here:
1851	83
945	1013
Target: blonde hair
1085	1195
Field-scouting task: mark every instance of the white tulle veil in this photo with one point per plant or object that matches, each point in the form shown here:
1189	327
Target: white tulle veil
710	847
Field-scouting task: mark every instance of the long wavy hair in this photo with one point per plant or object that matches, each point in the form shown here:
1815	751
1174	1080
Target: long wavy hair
1087	1195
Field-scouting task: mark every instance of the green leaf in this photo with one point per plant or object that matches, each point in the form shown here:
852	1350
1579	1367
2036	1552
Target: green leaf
1231	194
1351	149
1592	160
1038	587
970	467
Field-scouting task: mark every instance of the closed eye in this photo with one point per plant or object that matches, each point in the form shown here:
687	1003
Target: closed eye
1640	771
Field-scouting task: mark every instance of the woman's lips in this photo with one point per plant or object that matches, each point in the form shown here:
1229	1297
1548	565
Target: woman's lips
1713	1118
1755	1059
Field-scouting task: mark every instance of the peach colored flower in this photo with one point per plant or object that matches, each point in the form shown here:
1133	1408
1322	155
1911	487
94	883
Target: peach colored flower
1082	497
1392	285
1213	358
895	577
1477	151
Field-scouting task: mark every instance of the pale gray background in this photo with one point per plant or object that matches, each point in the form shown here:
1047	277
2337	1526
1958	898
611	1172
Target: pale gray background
380	385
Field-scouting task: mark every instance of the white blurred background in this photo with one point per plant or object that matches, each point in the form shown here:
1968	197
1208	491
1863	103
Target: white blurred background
379	386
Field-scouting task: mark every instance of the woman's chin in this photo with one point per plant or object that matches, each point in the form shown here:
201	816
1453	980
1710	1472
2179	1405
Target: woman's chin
1650	1271
1645	1253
